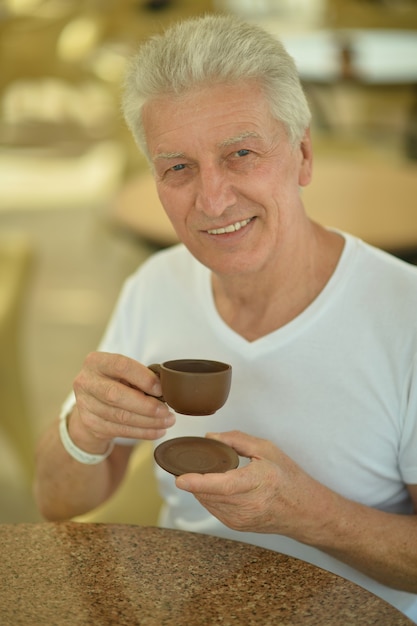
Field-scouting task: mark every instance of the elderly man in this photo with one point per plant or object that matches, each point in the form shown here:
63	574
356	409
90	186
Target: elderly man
320	328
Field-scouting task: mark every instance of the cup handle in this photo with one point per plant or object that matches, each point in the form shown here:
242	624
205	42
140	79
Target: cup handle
156	368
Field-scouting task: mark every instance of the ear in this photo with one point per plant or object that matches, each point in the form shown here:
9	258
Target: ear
306	156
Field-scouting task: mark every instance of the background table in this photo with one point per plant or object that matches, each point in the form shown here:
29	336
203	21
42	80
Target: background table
376	202
77	574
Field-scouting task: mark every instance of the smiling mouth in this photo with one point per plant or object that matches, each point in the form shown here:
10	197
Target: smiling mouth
231	228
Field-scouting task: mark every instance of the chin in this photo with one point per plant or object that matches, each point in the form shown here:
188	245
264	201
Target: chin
229	265
232	261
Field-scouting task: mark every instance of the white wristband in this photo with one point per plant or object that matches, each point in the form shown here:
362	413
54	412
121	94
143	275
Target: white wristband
76	452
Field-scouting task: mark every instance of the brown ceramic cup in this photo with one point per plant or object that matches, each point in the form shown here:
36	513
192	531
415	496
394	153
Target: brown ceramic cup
194	386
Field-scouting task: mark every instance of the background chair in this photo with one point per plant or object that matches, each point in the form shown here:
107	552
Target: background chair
371	198
16	257
137	501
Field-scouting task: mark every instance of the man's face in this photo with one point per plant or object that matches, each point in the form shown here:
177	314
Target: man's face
227	175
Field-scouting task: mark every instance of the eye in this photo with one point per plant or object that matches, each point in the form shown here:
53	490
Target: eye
178	167
242	152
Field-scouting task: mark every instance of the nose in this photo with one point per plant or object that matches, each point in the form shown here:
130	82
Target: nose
214	192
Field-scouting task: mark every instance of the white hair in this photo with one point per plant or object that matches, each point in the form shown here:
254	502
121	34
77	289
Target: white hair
214	49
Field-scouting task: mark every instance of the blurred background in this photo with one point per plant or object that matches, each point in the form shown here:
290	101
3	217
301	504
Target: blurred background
78	212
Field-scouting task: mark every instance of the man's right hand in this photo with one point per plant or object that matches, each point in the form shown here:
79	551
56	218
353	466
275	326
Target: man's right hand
116	397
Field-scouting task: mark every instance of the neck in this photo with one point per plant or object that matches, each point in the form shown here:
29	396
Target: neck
255	305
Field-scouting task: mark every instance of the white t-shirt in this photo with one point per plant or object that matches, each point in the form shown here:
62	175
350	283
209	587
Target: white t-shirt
336	388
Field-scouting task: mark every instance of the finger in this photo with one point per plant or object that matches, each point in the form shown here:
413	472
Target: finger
125	369
246	445
108	421
225	484
116	393
111	430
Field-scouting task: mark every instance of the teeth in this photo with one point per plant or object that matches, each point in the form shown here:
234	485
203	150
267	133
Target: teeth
229	229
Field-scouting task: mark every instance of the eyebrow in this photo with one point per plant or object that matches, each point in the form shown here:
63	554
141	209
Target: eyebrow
169	155
230	141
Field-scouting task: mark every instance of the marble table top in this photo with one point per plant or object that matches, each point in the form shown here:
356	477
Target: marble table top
98	574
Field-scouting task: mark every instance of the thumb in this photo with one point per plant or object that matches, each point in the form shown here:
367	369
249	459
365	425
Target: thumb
246	445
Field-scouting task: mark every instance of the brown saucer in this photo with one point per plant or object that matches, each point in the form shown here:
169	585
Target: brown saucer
195	454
